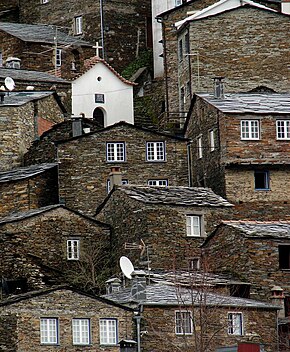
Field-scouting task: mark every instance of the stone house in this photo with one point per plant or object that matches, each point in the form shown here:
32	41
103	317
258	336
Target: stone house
24	116
255	250
64	319
144	156
54	244
175	317
27	188
100	91
43	150
170	223
241	52
243	139
43	48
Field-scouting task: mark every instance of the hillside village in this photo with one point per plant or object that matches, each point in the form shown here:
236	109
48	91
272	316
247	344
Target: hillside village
145	175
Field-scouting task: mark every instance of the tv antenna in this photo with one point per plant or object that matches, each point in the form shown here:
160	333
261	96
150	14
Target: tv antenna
126	267
9	83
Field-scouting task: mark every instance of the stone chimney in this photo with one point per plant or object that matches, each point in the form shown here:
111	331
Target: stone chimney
218	87
13	62
285	7
113	285
115	177
277	299
76	126
138	289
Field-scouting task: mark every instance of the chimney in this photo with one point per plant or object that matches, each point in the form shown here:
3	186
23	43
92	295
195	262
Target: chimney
218	88
76	126
13	62
2	96
277	299
285	7
113	285
138	289
115	177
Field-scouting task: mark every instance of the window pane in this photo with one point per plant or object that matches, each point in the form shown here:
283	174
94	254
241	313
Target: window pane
283	129
250	129
81	331
155	151
261	180
235	324
115	152
108	332
183	323
73	249
48	331
193	225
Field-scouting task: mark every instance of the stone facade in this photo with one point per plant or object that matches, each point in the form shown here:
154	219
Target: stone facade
22	193
241	53
64	305
35	246
162	227
84	169
233	162
126	24
160	322
254	258
22	123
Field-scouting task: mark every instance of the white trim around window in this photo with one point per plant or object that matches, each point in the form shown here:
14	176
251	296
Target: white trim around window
155	151
199	147
73	249
157	182
283	129
49	331
78	25
212	140
81	331
183	322
58	55
235	323
108	331
250	129
193	225
115	151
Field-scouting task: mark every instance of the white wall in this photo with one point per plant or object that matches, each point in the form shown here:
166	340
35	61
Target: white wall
118	104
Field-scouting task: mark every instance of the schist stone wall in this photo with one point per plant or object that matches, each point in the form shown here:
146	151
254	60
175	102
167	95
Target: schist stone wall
67	305
84	170
127	24
245	55
21	122
169	246
29	193
26	241
254	259
161	321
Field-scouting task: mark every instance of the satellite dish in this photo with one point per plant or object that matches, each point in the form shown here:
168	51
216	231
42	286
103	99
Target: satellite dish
9	83
126	267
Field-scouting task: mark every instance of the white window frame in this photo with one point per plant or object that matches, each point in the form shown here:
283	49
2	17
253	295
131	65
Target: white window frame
235	323
199	147
155	182
115	152
212	140
193	225
108	331
178	2
73	249
44	1
49	328
155	151
81	331
183	322
250	130
283	129
78	25
58	54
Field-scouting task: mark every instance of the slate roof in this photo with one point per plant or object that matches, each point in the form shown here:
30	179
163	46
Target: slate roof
181	196
31	76
255	103
18	98
25	172
262	229
40	34
170	295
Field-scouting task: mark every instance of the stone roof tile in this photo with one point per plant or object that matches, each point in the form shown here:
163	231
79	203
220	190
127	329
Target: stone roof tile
29	75
18	98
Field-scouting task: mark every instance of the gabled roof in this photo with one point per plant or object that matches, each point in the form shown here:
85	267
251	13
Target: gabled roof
255	103
14	217
30	76
128	125
220	7
18	98
170	295
41	34
25	172
46	291
178	196
90	63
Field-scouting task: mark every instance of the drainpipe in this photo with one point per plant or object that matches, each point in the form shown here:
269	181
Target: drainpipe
102	28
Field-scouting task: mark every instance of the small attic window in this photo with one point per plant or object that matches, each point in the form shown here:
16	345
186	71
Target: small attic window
99	98
99	79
